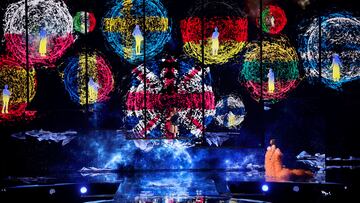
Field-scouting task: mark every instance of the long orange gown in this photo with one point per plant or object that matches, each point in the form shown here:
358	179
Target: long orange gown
274	168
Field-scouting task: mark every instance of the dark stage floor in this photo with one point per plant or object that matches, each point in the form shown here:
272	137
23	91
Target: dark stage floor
178	186
145	171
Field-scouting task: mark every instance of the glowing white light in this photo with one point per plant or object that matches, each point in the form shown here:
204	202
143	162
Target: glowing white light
83	190
265	188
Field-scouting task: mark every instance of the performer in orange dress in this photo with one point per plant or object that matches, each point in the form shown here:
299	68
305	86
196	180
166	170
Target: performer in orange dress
274	169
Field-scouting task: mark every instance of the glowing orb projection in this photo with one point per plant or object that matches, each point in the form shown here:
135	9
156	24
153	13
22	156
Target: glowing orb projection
50	30
125	29
280	70
174	100
79	21
230	112
273	19
13	84
225	34
99	84
340	49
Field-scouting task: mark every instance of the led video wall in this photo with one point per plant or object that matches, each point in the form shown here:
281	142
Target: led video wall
170	69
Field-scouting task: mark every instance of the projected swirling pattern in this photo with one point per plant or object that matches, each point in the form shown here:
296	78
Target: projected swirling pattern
99	71
79	21
173	87
231	40
273	19
50	30
277	55
339	36
14	75
230	112
113	150
119	24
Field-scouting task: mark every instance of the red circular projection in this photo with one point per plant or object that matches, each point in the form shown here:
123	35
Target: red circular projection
100	83
279	73
79	21
14	89
273	19
49	30
217	37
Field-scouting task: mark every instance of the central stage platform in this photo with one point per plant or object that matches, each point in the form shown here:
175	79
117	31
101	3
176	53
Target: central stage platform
173	186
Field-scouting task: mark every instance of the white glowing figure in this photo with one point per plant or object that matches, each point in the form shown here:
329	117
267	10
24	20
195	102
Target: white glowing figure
93	89
43	42
138	39
232	122
339	33
215	41
5	97
335	67
271	81
230	112
272	21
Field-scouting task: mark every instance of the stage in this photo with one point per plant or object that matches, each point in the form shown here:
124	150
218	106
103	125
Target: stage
106	166
172	186
166	101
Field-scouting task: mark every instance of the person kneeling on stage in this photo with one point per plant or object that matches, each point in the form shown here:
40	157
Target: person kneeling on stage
274	168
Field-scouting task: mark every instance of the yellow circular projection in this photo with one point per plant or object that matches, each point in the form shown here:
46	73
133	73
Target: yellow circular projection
13	84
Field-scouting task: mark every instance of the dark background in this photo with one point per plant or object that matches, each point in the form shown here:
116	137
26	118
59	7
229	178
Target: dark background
313	118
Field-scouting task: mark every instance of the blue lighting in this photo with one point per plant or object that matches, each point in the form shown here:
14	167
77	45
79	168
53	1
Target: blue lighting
265	188
155	40
296	188
83	190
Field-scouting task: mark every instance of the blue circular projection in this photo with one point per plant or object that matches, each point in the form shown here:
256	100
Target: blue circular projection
127	28
97	87
340	49
230	112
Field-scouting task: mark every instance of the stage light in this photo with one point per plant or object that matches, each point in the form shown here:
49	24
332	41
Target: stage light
52	191
265	188
83	190
325	193
296	188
